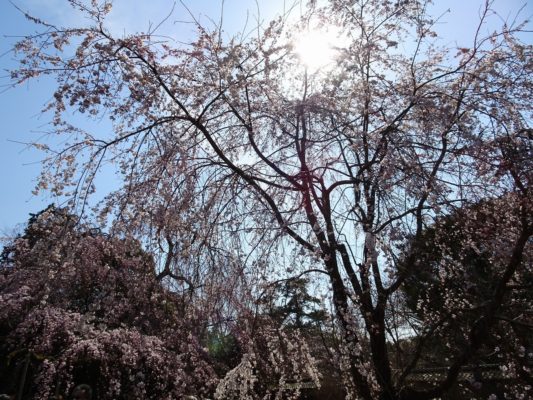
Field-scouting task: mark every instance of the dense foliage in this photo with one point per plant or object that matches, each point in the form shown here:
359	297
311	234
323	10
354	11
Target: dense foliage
81	308
459	262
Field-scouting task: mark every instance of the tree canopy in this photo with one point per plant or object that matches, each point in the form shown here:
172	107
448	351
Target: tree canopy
460	260
81	308
242	166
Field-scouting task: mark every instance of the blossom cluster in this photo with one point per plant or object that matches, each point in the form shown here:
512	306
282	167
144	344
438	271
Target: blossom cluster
83	308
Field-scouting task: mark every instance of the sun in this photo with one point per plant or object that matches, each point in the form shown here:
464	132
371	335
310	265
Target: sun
318	48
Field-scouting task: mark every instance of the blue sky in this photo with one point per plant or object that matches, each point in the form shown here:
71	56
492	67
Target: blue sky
20	107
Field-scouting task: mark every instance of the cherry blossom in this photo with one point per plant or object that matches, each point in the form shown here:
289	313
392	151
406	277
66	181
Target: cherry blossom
241	167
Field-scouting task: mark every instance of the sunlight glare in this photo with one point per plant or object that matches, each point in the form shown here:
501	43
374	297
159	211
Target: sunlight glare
318	48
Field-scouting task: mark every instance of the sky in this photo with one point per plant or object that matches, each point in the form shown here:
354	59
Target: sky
20	107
